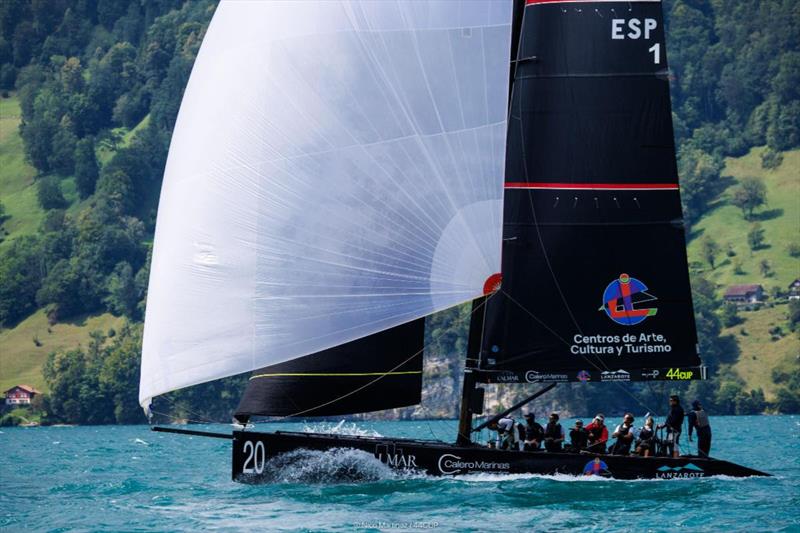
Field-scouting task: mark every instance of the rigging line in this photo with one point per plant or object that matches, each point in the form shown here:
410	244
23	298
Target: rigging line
390	371
536	223
182	419
589	361
201	417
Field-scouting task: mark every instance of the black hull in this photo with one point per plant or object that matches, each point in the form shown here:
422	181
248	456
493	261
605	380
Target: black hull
252	453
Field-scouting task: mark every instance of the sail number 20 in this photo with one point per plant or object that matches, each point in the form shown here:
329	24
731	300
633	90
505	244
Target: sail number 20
636	29
254	462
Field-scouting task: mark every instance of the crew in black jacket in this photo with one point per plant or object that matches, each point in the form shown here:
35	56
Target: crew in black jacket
673	424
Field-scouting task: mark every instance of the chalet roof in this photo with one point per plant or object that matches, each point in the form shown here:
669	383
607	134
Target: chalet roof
795	283
26	388
743	290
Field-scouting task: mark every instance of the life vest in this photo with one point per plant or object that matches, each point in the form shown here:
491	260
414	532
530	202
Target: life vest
534	432
595	433
701	419
645	433
578	437
552	431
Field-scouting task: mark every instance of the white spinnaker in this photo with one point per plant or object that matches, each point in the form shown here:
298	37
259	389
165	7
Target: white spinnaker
336	169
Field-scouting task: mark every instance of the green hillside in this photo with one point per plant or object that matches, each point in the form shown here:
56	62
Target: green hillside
780	219
17	185
760	351
25	347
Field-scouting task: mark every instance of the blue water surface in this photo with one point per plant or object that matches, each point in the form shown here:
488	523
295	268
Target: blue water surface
127	478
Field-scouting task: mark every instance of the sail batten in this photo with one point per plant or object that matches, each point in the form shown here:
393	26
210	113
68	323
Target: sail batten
336	171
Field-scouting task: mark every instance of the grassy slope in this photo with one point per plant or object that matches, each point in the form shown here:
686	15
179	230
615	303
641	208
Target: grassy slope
780	219
17	186
21	360
759	354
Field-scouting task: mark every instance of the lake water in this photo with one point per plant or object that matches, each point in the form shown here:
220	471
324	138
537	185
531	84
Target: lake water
125	478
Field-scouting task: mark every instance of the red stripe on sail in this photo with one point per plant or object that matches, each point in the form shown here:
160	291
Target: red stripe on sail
590	186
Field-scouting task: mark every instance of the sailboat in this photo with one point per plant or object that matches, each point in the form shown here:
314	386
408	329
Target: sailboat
340	170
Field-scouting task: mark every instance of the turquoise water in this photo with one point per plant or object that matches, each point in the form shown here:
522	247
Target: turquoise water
125	478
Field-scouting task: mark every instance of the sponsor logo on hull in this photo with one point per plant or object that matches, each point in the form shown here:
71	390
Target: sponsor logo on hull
596	467
394	457
652	374
584	376
675	472
450	464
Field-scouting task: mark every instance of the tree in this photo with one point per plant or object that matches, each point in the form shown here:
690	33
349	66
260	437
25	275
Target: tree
123	295
749	194
21	275
770	159
87	168
755	237
709	248
61	289
119	376
699	172
765	267
730	315
49	193
62	156
794	313
793	249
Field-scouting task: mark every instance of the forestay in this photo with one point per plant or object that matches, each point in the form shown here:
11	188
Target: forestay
336	170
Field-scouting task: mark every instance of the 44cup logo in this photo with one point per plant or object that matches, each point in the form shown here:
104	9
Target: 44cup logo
677	373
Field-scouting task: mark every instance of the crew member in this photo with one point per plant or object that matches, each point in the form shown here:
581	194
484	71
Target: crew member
578	437
506	434
673	425
646	439
553	434
598	434
624	435
698	419
534	433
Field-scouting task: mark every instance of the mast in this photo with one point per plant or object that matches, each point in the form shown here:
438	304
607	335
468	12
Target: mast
471	398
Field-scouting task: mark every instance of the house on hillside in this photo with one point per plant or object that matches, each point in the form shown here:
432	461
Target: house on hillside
20	395
794	290
744	294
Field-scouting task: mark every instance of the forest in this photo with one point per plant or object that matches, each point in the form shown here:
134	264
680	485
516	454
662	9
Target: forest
99	84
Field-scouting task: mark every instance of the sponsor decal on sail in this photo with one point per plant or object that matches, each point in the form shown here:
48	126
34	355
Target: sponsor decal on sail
623	298
532	376
615	375
677	373
450	464
619	345
685	471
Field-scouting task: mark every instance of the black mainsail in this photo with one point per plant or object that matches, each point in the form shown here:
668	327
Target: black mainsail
595	278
